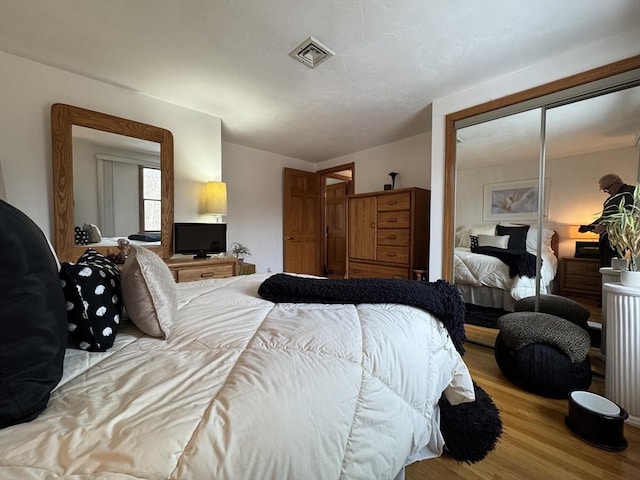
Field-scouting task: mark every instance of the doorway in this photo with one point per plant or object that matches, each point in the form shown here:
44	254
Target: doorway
336	184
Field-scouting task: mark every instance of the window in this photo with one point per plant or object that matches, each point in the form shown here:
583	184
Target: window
151	199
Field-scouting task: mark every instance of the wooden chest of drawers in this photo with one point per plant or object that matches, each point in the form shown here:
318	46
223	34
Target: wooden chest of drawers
388	233
580	276
188	269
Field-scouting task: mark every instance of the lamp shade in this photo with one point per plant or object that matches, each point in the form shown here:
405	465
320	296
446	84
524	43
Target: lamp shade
215	198
574	233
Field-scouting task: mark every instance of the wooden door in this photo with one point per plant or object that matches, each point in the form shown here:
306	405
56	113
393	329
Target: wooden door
336	236
301	222
362	227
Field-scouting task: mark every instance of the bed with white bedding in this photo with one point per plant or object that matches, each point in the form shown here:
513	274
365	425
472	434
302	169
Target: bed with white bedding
243	388
485	280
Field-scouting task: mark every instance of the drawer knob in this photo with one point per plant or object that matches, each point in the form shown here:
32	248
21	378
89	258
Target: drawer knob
207	275
373	225
392	202
391	237
392	220
392	254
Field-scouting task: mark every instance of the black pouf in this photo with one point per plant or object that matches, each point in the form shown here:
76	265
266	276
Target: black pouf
542	369
557	305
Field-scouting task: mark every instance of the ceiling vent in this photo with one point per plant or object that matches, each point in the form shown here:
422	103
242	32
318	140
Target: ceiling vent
311	52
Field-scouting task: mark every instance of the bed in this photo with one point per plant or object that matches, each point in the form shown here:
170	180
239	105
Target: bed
230	385
486	280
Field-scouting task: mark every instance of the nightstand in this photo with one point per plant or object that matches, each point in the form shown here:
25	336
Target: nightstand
580	276
245	268
185	268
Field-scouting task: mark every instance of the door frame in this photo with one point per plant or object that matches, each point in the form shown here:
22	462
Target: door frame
324	175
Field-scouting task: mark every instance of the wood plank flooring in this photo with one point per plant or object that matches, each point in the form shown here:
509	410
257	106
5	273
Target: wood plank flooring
535	444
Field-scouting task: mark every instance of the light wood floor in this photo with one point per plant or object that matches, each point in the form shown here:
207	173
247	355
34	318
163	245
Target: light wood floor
535	444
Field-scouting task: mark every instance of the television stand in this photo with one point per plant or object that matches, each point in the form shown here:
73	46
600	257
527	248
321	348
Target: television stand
187	269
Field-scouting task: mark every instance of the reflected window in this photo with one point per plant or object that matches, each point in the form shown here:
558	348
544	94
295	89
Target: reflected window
151	199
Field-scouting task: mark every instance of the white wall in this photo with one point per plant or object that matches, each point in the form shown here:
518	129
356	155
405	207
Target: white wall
254	192
591	56
409	157
574	198
27	91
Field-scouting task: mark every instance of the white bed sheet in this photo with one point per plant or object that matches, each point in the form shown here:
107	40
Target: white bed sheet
245	389
473	270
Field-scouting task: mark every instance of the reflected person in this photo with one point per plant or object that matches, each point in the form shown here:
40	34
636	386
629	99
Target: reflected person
619	192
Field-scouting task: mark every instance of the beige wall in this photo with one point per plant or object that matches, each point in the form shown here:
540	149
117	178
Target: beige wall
27	91
574	198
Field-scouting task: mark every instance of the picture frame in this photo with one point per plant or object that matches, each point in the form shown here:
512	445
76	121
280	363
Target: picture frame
510	201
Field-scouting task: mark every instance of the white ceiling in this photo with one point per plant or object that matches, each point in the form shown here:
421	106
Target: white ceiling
230	58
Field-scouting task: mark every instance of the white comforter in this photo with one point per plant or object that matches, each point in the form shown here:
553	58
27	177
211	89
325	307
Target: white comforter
484	270
247	390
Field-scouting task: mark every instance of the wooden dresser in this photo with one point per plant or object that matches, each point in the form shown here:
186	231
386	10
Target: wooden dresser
580	276
388	233
187	269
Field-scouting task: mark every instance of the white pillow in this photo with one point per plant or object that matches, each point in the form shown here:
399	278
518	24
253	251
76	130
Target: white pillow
498	241
149	292
532	239
463	233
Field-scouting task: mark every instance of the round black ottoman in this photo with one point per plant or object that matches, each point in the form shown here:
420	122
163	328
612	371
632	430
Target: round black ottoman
556	305
543	354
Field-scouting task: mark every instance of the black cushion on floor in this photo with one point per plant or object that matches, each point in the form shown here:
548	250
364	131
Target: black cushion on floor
542	369
33	319
557	305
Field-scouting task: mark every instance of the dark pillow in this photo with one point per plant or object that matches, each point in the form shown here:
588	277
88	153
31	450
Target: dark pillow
473	241
32	316
517	236
91	288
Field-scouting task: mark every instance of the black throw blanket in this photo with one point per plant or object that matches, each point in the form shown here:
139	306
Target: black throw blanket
520	262
439	298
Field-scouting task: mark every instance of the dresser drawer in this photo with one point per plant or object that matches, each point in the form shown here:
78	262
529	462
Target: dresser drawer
366	270
401	219
394	236
583	269
204	273
397	201
582	282
392	254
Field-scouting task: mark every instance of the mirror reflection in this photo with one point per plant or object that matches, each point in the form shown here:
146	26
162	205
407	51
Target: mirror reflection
496	232
116	183
583	140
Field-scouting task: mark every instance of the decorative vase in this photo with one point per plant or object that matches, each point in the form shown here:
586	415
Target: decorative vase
630	278
619	263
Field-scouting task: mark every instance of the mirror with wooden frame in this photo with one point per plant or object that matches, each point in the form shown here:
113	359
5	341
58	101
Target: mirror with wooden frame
64	118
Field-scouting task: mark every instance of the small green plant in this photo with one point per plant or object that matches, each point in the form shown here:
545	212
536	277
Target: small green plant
623	228
240	251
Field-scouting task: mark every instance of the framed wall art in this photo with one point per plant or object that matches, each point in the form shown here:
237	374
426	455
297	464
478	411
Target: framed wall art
514	201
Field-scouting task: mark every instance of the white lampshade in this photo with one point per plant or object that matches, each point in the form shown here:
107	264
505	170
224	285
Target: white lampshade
215	198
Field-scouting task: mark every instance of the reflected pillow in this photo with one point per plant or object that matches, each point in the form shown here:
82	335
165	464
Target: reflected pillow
463	233
95	236
518	236
493	241
149	292
91	288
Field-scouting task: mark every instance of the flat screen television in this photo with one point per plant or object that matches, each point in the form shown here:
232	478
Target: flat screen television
199	238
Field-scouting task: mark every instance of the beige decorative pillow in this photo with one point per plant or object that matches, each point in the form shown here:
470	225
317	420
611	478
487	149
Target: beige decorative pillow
95	236
149	292
500	241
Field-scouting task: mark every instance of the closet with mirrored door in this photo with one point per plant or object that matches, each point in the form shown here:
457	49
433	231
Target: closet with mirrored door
527	166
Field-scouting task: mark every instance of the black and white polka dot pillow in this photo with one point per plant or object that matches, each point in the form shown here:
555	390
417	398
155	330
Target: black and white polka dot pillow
474	241
81	237
91	288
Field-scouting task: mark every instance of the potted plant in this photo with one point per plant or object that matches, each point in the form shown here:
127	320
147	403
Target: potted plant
623	228
240	251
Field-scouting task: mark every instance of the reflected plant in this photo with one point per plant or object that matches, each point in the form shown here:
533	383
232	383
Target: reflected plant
623	228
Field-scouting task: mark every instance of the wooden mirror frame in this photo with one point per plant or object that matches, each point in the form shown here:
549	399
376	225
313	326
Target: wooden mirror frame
63	117
448	225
